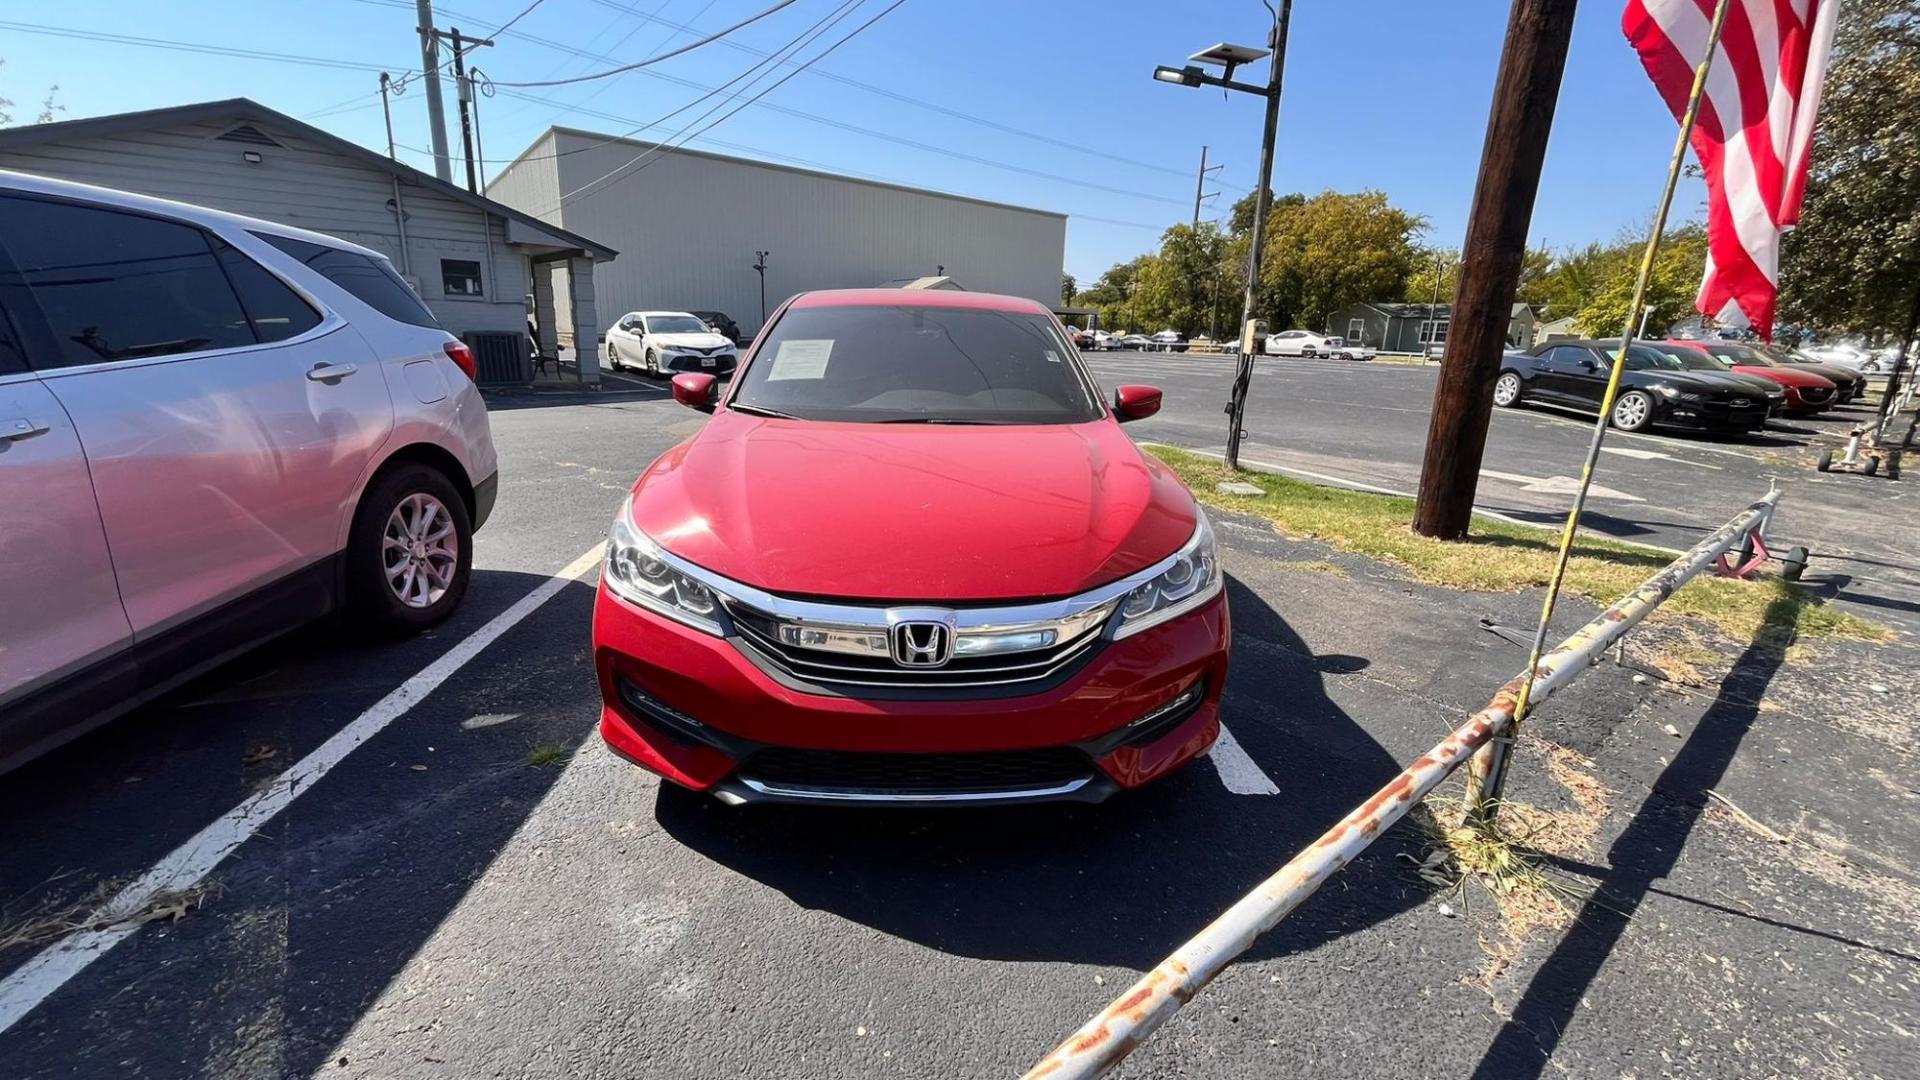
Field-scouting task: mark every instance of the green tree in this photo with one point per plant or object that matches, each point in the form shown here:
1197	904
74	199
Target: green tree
1855	259
1671	287
1240	218
1429	265
1109	294
1068	287
1575	277
1332	250
49	106
1179	285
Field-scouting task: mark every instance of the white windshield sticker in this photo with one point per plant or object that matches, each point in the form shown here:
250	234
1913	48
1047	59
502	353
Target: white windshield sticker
1052	357
801	359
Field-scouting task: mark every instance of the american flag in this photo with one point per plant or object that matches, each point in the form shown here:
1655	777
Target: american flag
1753	134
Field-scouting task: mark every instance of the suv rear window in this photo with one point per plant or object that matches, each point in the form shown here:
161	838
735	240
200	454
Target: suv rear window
371	281
905	364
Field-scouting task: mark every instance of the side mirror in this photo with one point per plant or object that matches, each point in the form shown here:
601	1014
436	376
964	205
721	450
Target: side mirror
694	390
1136	402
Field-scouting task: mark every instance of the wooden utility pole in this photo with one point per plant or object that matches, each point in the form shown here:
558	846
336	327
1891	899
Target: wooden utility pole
1524	93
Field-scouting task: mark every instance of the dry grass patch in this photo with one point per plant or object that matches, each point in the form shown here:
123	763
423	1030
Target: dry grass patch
48	923
1501	557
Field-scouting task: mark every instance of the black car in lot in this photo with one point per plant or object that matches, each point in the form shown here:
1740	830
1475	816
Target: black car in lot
1655	387
1849	384
721	324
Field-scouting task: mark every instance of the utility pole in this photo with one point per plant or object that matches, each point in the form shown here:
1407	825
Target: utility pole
1200	187
430	69
1524	93
460	43
1237	403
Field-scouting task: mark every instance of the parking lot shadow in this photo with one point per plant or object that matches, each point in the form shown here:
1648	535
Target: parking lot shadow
326	905
1646	852
1120	883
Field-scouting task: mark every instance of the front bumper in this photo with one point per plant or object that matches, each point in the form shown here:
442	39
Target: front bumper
1713	416
694	709
723	363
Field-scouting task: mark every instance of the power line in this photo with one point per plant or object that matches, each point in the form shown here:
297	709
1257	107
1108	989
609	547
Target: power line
651	60
508	25
895	95
193	47
944	110
804	38
845	126
646	157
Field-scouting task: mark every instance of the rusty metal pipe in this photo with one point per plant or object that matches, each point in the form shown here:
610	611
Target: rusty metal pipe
1103	1041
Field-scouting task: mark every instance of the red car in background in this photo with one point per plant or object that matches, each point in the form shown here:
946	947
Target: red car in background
911	560
1807	392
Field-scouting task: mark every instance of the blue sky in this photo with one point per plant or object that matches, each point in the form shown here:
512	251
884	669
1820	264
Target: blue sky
1390	95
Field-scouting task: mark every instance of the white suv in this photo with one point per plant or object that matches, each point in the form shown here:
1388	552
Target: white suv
212	429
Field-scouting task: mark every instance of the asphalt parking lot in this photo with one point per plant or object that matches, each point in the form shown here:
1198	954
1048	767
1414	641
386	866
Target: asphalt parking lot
476	887
1365	425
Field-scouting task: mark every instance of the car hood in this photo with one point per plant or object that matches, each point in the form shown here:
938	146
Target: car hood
1785	376
704	340
1832	372
1709	381
913	513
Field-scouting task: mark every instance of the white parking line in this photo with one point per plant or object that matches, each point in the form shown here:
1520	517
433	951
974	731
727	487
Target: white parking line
33	982
1237	771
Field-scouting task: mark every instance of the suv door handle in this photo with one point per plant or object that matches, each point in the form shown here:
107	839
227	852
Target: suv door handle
22	428
331	372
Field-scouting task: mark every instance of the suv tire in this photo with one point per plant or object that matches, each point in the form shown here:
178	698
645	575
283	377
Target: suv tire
430	557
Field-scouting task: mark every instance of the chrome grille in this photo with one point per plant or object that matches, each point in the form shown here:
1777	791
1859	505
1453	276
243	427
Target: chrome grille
758	633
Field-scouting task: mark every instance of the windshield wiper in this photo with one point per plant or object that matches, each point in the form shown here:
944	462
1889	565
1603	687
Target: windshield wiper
936	420
761	411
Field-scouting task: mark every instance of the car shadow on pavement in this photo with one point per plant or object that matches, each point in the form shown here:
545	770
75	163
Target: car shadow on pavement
1645	854
327	904
1120	883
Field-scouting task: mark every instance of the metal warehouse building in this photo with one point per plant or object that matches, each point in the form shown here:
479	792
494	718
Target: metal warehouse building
688	224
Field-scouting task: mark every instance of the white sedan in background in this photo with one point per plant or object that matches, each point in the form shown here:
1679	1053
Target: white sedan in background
668	342
1309	344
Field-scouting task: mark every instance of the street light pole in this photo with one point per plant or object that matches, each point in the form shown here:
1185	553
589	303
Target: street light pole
1237	404
760	267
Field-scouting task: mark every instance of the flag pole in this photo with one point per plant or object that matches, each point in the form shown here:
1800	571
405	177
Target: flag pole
1486	778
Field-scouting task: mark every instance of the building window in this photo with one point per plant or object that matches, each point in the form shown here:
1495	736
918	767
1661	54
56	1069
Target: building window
1357	331
1433	333
460	277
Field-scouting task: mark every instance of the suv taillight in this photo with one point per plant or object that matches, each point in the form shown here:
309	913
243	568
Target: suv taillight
462	357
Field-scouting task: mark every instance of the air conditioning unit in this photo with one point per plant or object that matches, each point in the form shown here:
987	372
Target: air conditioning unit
500	357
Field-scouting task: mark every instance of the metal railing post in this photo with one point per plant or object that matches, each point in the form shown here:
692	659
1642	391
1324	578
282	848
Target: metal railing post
1103	1041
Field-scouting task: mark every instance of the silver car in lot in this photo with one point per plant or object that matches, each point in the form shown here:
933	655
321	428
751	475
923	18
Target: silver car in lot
212	429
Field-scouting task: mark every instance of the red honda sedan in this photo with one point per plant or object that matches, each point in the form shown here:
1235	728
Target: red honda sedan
1806	392
911	559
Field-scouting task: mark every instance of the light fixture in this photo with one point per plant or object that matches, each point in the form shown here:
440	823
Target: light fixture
251	157
1190	75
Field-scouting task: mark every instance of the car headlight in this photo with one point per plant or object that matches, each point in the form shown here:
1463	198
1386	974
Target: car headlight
638	573
1192	579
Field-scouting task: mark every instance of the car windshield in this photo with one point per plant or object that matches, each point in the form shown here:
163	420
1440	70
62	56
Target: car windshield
1741	354
908	364
675	324
1684	358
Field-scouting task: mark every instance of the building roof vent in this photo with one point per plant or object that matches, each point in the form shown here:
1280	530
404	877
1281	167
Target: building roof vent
247	133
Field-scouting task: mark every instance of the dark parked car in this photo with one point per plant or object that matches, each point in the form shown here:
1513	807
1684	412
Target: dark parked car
721	324
1849	384
1656	387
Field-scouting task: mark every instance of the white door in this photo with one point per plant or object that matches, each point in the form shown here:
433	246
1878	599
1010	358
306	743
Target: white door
226	418
56	578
